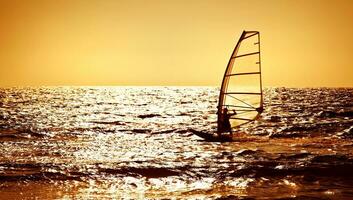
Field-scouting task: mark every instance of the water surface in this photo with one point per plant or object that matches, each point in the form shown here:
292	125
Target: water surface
137	142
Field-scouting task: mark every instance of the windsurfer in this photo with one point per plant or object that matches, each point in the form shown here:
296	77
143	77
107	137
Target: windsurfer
225	125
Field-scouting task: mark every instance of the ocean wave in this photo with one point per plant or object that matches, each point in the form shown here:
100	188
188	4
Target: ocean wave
150	172
20	133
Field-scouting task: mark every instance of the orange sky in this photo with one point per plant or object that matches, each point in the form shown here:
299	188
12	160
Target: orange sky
305	43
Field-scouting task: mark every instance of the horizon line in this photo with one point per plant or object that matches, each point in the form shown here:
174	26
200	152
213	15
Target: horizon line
269	86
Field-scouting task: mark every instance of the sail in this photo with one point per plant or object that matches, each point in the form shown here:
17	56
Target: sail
240	99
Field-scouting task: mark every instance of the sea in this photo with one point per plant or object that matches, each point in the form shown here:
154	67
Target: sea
138	143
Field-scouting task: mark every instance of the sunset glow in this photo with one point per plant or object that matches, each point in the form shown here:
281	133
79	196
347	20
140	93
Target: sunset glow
91	42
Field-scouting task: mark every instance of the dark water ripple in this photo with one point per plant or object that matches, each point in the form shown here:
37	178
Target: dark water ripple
137	142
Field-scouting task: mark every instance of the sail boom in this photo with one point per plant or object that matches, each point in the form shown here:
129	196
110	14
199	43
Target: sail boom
239	118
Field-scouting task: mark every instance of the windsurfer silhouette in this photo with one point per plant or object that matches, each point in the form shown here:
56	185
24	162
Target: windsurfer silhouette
225	125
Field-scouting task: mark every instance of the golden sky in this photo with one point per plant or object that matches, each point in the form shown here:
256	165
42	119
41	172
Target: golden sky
305	43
